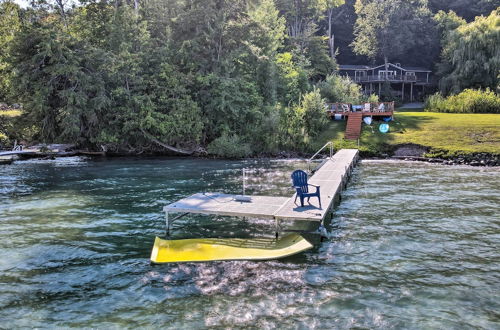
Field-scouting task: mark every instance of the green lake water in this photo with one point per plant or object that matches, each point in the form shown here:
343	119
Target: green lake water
412	245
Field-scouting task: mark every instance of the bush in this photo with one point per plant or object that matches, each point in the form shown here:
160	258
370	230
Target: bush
291	132
315	119
229	146
468	101
340	89
372	98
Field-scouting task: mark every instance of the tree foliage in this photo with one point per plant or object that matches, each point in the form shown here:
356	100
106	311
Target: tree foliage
336	88
387	29
464	8
10	23
187	75
471	53
468	101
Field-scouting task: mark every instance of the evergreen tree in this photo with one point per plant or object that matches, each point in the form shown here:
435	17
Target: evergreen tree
10	24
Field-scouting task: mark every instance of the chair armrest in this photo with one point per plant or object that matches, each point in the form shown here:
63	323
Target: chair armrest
313	185
317	188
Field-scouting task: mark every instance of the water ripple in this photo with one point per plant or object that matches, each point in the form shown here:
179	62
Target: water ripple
413	245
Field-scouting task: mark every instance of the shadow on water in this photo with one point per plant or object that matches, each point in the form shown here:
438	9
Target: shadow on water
417	247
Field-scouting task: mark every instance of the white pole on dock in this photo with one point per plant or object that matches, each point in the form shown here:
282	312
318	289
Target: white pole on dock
167	223
243	182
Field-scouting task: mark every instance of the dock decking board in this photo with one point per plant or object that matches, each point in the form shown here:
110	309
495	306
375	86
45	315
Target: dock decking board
224	204
331	177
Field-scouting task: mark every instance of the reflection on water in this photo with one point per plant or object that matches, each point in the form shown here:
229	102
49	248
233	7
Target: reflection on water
411	245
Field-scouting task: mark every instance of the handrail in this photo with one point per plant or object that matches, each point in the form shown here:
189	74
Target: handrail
330	143
346	107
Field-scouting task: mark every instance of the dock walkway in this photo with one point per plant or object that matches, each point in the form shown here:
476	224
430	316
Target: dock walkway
332	176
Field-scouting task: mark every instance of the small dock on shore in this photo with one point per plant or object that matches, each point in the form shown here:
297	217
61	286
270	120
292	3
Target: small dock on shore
332	177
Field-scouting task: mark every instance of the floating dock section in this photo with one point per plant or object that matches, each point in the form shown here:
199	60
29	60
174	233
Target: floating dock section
332	177
218	249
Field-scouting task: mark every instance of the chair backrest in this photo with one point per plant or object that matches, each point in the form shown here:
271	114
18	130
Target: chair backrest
299	179
345	107
367	107
381	107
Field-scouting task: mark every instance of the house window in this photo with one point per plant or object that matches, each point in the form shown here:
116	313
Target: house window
382	74
359	75
410	76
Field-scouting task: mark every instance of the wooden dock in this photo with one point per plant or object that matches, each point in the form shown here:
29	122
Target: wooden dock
223	204
332	177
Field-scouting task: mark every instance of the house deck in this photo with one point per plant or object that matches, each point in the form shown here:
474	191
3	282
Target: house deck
371	109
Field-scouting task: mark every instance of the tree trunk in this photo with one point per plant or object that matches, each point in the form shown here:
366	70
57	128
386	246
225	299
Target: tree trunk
136	7
166	146
331	38
331	35
60	5
386	65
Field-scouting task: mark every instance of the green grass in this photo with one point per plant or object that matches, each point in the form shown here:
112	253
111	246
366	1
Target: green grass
410	110
10	113
444	133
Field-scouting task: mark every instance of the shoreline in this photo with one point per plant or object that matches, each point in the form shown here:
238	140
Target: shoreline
482	159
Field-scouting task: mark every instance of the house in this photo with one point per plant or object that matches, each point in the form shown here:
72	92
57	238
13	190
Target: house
408	82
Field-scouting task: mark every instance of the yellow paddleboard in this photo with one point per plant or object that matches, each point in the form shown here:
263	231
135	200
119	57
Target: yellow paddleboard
211	249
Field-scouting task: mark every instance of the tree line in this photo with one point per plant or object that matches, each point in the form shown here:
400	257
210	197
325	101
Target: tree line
235	77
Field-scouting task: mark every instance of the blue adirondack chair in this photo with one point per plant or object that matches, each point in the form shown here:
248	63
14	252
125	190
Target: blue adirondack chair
299	179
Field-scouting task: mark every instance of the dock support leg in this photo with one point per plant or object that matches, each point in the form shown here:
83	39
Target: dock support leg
167	223
277	227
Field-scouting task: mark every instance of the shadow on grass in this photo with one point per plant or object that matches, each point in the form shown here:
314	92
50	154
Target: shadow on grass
372	142
409	110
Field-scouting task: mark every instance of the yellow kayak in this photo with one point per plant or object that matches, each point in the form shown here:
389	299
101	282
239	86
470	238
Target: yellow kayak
211	249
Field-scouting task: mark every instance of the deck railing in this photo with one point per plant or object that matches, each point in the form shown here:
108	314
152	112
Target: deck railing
370	107
393	78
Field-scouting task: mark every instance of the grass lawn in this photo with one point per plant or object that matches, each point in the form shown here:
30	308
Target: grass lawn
444	133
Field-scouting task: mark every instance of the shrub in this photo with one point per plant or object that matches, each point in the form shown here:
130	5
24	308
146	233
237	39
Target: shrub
315	119
291	128
340	89
229	146
468	101
372	98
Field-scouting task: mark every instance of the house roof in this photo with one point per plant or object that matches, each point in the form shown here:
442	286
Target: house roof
366	67
353	67
416	68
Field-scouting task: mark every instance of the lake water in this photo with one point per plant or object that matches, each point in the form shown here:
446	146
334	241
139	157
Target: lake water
412	245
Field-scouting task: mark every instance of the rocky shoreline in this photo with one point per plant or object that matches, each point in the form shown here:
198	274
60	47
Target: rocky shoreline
403	152
412	152
483	159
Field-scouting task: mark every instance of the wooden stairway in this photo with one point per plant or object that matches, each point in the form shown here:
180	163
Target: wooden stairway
353	128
